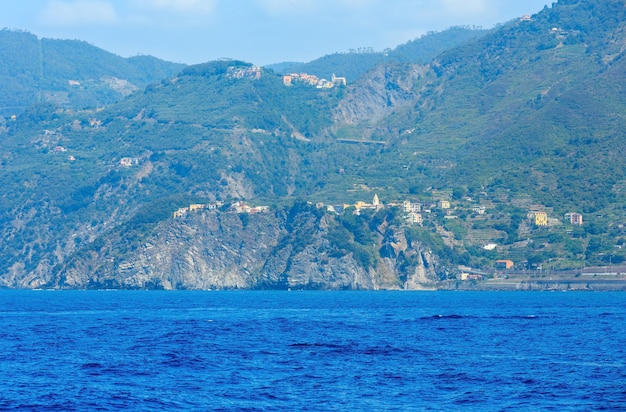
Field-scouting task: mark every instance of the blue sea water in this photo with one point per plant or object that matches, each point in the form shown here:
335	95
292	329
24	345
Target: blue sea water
315	351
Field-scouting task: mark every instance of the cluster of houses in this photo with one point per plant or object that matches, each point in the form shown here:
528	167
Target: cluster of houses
537	216
237	207
241	207
414	210
251	72
413	215
313	80
254	72
194	207
357	207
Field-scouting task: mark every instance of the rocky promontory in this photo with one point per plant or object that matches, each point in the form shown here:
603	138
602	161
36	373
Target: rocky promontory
297	248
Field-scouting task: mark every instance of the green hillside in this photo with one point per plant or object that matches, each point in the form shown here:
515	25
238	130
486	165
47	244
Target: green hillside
496	139
529	115
69	73
221	131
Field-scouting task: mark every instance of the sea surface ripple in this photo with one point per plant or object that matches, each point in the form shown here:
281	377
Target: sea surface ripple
314	351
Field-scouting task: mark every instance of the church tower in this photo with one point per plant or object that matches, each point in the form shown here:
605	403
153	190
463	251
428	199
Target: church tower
376	201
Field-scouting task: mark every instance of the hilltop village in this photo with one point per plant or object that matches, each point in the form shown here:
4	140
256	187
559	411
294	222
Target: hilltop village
255	72
444	216
313	80
414	212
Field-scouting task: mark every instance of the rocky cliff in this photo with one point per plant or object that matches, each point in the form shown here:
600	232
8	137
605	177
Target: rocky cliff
380	92
275	250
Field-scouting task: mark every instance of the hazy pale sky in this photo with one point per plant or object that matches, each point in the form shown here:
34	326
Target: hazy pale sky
257	31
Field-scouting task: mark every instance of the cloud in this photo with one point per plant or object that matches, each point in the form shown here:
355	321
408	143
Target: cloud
179	6
60	13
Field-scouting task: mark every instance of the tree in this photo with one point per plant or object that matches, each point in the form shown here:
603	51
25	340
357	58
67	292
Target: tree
459	193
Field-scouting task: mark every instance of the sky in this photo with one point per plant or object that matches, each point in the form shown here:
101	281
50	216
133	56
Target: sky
257	31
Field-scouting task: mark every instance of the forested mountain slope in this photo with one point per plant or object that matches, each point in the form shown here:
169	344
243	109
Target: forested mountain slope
525	121
218	132
69	73
531	114
354	64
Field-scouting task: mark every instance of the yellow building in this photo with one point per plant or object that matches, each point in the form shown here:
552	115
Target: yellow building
541	219
360	205
444	204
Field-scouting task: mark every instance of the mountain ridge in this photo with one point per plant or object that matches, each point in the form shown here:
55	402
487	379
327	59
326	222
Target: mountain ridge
353	64
69	73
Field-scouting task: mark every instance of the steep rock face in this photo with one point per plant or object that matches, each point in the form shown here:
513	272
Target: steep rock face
379	93
203	251
218	250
